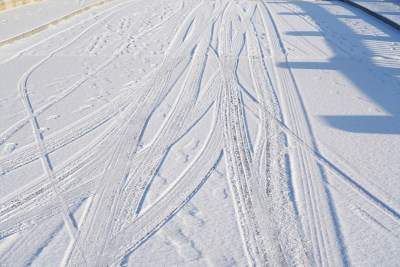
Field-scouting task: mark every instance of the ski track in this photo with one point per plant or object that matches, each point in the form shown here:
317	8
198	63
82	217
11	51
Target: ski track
112	175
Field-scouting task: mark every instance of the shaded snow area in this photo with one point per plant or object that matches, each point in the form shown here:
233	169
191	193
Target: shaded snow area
202	133
387	8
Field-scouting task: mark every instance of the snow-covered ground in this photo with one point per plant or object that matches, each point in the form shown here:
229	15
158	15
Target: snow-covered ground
26	18
386	8
189	132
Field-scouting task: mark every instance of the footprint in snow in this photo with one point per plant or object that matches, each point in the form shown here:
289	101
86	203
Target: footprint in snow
53	117
220	193
8	148
193	144
83	108
43	130
181	157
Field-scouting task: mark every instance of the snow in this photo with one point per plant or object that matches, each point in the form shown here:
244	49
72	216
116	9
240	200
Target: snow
387	8
16	21
187	132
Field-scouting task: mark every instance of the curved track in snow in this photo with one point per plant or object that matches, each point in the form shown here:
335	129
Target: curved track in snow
221	95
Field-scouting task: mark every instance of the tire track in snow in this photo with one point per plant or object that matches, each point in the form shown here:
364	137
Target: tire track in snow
132	130
26	49
42	209
46	164
17	126
38	198
62	138
346	179
39	193
106	224
272	181
246	176
195	72
90	153
142	172
177	122
33	112
29	153
173	199
183	131
236	145
312	203
28	246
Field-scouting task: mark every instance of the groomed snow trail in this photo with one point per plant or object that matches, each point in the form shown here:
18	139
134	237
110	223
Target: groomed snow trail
123	116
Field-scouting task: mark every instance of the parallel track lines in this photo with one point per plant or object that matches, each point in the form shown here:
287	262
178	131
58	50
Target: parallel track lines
13	129
272	178
59	139
114	208
173	199
318	222
46	164
237	147
112	175
89	120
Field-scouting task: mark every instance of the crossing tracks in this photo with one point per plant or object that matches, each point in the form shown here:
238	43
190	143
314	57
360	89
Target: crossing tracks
279	196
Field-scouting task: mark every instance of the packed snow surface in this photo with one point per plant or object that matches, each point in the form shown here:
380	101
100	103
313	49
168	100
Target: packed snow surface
189	132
